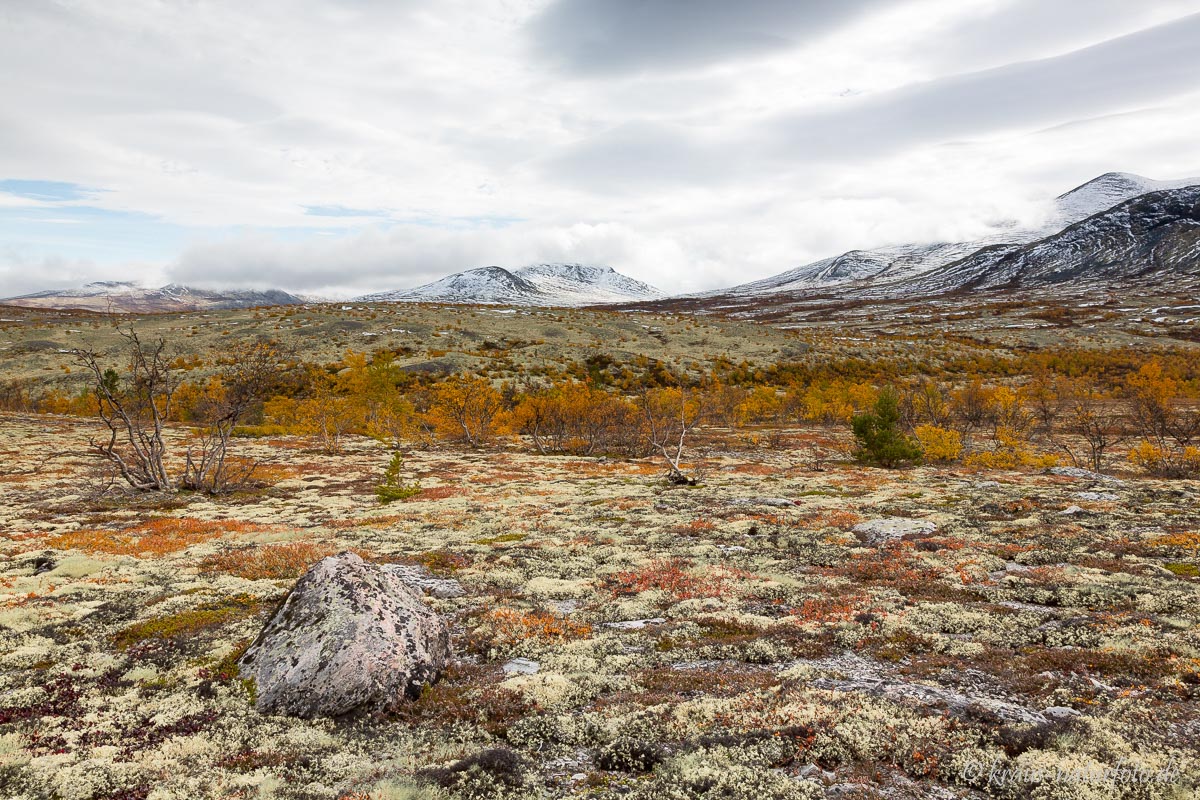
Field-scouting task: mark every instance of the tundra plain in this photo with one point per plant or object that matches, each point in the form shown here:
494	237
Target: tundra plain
796	624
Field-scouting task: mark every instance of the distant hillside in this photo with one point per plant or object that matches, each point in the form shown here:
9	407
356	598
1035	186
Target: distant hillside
893	269
126	297
535	285
1153	240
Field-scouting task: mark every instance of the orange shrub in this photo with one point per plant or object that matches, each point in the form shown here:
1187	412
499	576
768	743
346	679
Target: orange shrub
156	537
831	609
939	444
1011	452
508	626
670	575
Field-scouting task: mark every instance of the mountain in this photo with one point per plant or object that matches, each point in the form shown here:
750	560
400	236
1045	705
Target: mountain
535	285
897	263
1152	239
126	297
1107	191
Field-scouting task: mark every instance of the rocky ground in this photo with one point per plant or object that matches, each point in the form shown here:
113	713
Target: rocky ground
793	627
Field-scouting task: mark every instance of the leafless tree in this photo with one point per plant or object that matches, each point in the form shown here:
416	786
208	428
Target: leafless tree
134	407
225	402
670	416
1099	421
970	408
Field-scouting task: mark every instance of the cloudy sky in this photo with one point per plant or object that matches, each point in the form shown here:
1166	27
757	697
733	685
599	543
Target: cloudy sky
345	146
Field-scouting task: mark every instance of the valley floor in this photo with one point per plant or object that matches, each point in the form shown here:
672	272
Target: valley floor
749	637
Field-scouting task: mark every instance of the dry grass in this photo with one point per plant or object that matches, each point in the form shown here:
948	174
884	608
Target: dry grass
273	561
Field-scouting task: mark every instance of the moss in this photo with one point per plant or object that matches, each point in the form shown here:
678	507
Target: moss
186	623
442	562
501	539
1184	570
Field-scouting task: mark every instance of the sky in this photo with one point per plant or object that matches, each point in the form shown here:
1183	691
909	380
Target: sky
339	147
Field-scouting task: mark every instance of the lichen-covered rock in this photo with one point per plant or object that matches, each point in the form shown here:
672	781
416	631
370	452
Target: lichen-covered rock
878	531
349	637
1085	474
420	578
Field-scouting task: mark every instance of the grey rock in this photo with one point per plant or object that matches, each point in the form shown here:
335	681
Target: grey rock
1096	496
1085	474
1059	713
521	666
564	607
635	624
349	637
923	694
885	529
849	672
1071	511
420	578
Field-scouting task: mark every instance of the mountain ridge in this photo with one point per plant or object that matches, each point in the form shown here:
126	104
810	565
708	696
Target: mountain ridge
130	297
548	284
893	264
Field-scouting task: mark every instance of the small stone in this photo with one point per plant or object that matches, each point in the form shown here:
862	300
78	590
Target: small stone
521	666
1109	496
1060	713
635	624
1071	511
886	529
1076	472
422	579
564	607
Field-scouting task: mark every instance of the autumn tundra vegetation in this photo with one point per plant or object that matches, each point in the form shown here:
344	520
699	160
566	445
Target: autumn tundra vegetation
1081	408
893	568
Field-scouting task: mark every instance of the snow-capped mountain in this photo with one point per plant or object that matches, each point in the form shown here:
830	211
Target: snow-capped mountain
534	285
1107	191
898	263
1152	239
128	297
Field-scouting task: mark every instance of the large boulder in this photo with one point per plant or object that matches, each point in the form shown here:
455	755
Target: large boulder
349	637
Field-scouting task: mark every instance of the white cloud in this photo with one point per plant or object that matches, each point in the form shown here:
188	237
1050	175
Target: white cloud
691	150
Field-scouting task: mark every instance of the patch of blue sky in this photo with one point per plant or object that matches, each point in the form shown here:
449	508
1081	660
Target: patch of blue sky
344	211
87	232
422	220
45	191
57	224
459	223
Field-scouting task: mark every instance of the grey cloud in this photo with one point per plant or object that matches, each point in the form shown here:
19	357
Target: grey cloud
628	158
1121	74
1017	30
599	37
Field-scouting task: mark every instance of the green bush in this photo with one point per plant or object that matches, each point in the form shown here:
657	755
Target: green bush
880	439
393	488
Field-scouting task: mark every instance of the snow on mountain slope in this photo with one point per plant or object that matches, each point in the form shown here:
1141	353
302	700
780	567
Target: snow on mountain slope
1152	238
581	284
483	285
1107	191
535	285
128	297
898	263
